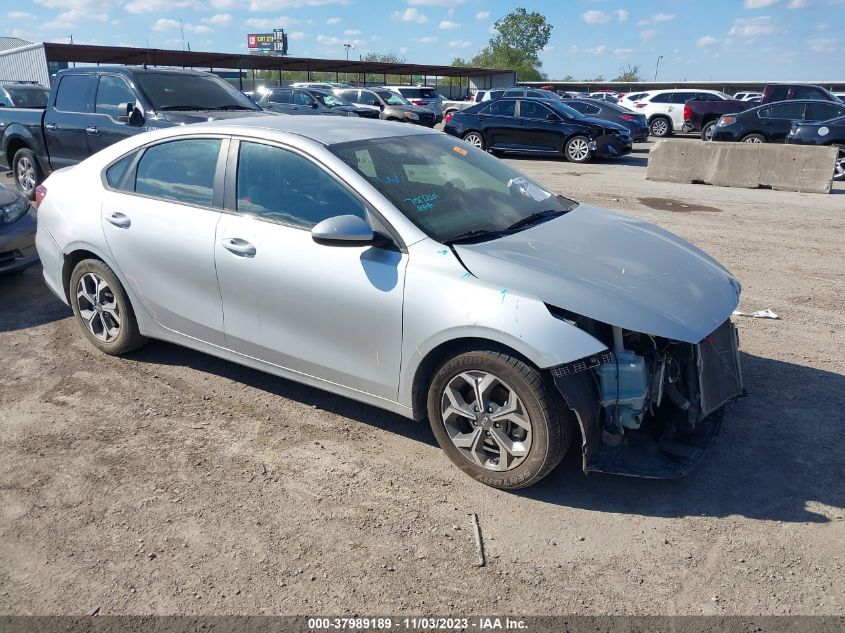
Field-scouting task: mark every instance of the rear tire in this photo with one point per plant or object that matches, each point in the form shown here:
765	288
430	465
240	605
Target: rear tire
577	150
660	126
28	174
839	168
519	432
707	131
754	138
102	308
475	139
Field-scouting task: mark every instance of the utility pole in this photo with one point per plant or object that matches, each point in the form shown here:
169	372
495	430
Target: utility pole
347	47
656	68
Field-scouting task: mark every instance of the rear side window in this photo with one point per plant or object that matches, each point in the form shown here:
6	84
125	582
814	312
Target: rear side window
111	92
783	110
501	107
515	93
418	93
824	111
666	97
280	185
182	171
807	92
73	93
280	96
115	173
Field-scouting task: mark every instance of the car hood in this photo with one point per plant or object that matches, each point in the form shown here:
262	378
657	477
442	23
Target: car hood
612	268
204	116
602	123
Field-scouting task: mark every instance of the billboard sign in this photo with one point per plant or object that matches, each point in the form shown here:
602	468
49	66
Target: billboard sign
275	43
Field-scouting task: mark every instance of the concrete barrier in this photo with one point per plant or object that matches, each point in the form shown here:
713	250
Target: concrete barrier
804	168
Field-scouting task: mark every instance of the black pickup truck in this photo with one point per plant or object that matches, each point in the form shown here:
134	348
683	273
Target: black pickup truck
93	107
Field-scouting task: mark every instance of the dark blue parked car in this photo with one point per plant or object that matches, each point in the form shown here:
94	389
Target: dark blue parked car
542	126
636	123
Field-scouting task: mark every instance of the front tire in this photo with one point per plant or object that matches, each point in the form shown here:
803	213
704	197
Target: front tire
497	418
28	174
102	308
577	150
754	138
660	127
475	139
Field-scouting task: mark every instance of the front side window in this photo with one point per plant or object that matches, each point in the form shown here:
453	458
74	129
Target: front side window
280	185
533	110
446	187
182	171
501	107
73	93
300	97
111	92
392	98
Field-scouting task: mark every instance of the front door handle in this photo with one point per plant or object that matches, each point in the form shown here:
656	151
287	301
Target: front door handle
93	130
239	247
51	126
120	220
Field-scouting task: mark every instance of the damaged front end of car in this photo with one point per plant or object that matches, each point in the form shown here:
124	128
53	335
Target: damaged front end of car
649	406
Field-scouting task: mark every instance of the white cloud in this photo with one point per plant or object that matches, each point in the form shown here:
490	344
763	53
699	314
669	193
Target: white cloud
165	24
334	20
648	34
754	27
353	32
20	15
706	40
601	49
596	17
824	45
758	4
280	22
198	28
410	15
438	3
657	18
459	44
222	4
298	35
445	25
799	4
278	5
822	26
622	52
432	39
328	40
220	19
621	15
160	6
482	15
403	50
89	6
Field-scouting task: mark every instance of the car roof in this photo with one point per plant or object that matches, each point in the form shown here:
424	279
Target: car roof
323	130
135	70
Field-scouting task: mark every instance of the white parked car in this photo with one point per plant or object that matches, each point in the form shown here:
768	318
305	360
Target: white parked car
629	100
664	109
747	96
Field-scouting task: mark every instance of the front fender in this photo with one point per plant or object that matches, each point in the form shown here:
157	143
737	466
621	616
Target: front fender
444	303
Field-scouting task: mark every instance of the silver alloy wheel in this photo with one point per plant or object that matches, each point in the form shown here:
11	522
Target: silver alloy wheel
98	307
25	174
486	420
474	139
753	139
578	150
659	127
839	167
709	132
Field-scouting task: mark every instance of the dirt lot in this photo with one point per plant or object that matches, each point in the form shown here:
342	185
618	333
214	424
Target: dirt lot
172	482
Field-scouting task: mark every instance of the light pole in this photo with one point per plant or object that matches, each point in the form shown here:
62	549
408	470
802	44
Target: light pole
347	47
656	68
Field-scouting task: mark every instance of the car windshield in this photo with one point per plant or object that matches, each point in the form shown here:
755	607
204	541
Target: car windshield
562	108
391	98
168	91
29	97
329	99
447	187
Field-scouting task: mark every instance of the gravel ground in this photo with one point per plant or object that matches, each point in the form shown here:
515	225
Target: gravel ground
172	482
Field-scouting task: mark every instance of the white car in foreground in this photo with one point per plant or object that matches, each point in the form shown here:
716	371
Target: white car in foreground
664	109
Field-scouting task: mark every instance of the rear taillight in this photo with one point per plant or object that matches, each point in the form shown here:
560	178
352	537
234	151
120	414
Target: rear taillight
687	112
639	105
40	194
447	118
629	117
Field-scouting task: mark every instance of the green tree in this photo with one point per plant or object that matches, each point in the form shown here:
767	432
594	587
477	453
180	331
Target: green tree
519	38
389	57
629	74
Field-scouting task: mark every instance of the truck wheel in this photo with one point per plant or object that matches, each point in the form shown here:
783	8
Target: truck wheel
497	418
27	172
707	131
660	127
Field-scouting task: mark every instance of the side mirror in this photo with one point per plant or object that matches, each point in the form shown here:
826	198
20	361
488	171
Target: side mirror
133	115
343	230
553	117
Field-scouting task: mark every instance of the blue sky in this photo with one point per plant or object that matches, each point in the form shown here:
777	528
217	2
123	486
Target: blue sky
712	40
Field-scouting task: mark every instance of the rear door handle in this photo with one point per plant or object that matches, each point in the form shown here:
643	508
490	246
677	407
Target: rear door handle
51	126
93	130
239	247
120	220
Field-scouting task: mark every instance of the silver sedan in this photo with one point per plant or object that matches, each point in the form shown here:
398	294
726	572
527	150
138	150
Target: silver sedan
406	269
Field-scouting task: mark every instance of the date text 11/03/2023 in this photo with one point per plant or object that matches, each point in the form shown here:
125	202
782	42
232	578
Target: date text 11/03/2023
417	623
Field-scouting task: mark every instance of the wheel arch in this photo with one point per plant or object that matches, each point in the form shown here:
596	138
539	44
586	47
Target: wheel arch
71	259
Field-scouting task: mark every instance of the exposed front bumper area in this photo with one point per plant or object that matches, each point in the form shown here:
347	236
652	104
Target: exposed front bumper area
682	406
17	244
608	146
